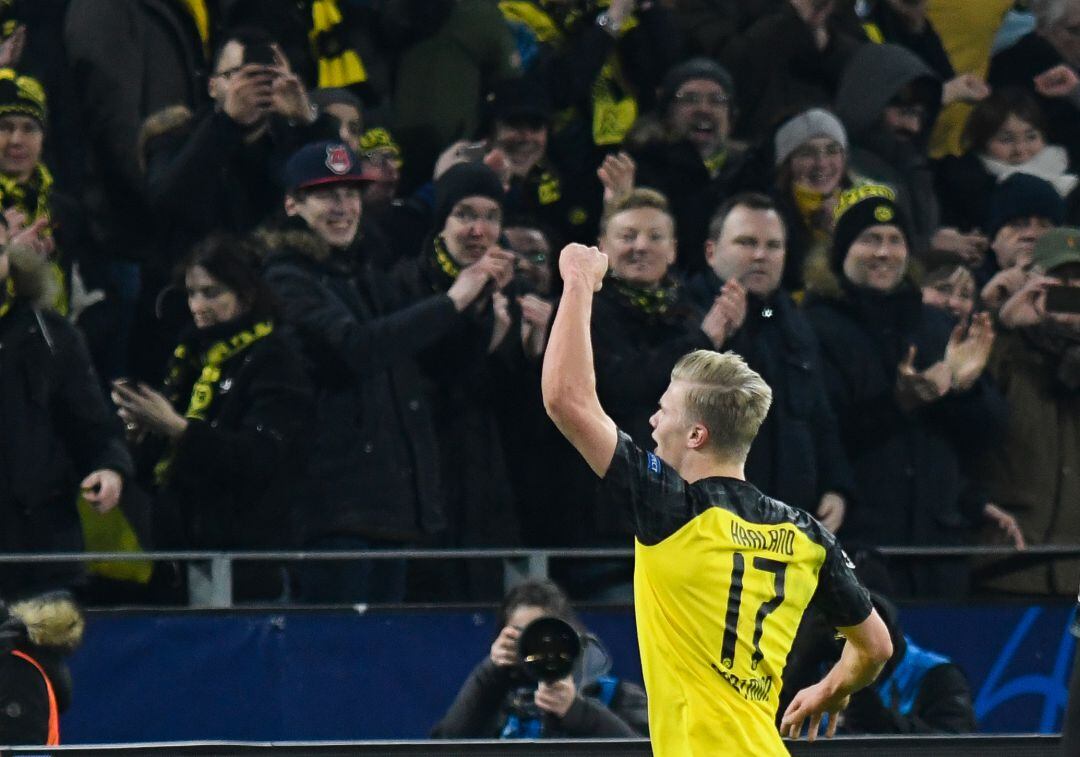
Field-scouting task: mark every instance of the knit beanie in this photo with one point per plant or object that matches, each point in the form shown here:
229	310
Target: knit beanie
860	208
809	124
695	68
461	181
326	96
1022	196
22	96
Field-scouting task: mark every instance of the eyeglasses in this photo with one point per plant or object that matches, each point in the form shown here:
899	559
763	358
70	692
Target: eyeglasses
809	152
468	216
701	98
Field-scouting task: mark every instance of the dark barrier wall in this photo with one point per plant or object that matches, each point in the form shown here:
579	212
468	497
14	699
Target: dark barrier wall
390	675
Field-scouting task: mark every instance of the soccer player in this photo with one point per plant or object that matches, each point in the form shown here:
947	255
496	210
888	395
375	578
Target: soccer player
723	573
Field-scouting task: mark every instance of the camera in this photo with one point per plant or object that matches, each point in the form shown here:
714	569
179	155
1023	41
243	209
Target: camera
548	648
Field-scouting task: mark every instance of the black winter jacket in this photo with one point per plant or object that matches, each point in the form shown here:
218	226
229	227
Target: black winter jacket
224	488
374	468
907	463
797	455
57	430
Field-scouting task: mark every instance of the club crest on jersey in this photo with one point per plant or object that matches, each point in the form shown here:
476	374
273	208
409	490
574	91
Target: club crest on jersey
847	560
337	159
654	462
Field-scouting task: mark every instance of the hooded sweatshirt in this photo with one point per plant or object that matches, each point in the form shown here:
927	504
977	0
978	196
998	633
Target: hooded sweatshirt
875	75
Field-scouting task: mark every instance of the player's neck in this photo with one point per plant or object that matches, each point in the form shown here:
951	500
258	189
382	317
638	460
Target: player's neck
696	466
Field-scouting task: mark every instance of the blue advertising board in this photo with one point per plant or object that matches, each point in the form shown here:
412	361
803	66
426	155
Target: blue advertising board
340	675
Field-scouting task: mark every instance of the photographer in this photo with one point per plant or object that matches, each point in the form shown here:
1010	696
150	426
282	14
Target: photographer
499	700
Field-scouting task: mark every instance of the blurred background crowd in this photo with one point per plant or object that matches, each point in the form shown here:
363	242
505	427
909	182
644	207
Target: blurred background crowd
279	275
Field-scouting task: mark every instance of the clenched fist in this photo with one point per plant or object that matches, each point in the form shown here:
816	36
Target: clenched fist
576	261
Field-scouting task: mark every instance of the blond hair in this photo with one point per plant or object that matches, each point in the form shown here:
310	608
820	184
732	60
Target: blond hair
726	396
639	197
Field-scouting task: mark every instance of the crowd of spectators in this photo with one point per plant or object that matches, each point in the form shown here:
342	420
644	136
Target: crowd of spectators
280	275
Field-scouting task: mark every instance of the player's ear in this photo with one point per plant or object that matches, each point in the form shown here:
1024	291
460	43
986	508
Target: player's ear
697	437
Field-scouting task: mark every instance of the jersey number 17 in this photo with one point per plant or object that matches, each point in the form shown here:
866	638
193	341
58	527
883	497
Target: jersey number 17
734	603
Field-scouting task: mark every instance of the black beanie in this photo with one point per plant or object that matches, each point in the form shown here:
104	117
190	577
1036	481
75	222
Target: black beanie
22	96
859	209
461	181
695	68
1022	196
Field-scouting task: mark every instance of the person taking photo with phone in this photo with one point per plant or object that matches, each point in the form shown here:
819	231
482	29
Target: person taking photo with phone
1032	471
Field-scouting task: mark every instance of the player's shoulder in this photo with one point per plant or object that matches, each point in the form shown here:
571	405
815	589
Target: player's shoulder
749	504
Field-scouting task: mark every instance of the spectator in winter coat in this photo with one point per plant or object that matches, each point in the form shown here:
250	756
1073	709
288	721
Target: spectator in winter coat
59	436
1005	134
499	701
907	389
374	475
219	444
1045	62
687	154
36	635
797	456
811	156
1031	469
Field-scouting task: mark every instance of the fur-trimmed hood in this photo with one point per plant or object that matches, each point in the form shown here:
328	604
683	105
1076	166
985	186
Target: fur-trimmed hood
51	621
292	237
169	120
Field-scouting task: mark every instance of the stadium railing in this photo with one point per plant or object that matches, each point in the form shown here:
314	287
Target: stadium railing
210	572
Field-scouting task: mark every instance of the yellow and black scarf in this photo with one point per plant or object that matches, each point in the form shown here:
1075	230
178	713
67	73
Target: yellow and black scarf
443	261
653	302
204	366
339	64
33	199
614	107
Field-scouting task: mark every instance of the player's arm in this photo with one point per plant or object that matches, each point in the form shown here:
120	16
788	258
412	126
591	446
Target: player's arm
569	378
867	649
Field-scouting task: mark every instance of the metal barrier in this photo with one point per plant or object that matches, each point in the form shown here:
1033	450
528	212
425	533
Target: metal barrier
210	573
894	746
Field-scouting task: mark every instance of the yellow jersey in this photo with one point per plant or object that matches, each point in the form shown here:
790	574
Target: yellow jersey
722	577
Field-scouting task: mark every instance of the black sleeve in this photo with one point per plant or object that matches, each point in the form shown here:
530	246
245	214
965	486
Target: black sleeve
474	710
839	596
589	718
654	492
91	434
277	402
572	72
365	346
24	703
180	172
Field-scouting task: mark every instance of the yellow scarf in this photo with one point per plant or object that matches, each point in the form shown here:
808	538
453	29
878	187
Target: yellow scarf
614	107
201	16
202	393
339	65
32	198
811	206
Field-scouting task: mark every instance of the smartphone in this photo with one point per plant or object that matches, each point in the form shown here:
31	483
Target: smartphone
1062	299
260	54
473	152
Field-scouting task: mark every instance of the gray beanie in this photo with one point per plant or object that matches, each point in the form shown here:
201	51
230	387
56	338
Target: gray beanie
815	122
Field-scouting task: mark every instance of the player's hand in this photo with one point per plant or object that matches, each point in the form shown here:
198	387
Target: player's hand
504	650
813	702
576	261
556	698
